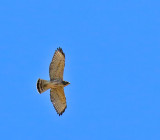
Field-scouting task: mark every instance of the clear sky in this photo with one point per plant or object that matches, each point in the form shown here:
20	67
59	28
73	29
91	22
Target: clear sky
112	62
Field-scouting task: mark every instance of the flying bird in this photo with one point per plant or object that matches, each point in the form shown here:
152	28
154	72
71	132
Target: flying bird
56	83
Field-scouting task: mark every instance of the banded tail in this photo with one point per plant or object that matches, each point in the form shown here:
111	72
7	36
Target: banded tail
42	85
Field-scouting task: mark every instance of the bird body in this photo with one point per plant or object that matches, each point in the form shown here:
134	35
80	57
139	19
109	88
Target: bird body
56	83
43	85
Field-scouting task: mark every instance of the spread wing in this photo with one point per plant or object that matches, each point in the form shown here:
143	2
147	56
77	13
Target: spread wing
58	99
56	68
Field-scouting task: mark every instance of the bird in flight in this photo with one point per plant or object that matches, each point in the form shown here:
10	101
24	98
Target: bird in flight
56	83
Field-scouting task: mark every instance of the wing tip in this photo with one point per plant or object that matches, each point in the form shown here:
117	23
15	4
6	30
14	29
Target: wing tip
62	111
61	51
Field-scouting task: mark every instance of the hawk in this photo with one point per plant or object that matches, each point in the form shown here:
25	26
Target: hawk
56	83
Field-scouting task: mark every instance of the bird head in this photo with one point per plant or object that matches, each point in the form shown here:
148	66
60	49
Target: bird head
65	83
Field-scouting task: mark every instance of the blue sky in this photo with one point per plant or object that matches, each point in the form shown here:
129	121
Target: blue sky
112	61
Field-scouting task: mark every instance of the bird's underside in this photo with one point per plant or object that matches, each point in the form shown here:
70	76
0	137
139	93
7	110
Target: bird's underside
56	83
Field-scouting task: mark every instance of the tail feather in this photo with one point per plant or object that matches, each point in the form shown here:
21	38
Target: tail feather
41	85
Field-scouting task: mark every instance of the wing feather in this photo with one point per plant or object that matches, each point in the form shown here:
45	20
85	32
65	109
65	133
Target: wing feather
58	99
57	64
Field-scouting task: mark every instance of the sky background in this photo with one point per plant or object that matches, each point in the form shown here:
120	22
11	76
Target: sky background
112	62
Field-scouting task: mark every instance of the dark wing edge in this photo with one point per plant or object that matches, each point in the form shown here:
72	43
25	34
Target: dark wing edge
60	49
